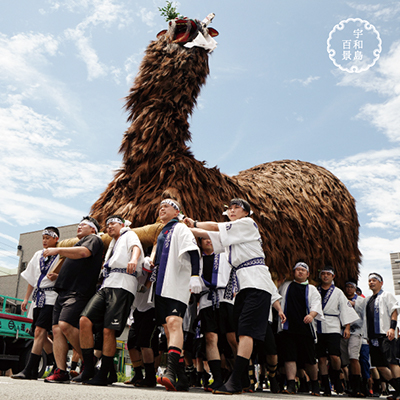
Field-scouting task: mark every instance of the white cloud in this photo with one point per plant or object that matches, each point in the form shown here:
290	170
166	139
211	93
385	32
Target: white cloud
8	261
307	81
147	16
385	117
376	177
101	12
378	11
35	161
9	238
88	55
22	53
384	79
131	66
34	209
376	258
23	59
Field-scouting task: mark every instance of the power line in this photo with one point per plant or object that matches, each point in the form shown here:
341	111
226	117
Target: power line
5	244
6	250
9	256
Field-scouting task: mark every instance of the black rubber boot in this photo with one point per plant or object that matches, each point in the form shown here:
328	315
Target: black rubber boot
281	382
112	375
260	386
396	385
31	369
348	387
364	387
290	387
245	381
205	377
356	386
215	368
88	366
315	389
100	379
273	382
249	379
233	385
50	359
198	378
376	387
337	383
150	376
226	373
326	384
303	385
190	371
169	378
182	385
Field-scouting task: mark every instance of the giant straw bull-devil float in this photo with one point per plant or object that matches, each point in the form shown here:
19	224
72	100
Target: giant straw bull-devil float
303	211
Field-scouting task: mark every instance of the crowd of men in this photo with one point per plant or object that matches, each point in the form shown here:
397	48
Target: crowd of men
206	286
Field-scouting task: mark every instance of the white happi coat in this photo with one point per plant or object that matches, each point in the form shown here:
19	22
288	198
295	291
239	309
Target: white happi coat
141	302
119	254
178	271
357	327
338	312
314	301
387	303
32	274
274	297
241	242
224	270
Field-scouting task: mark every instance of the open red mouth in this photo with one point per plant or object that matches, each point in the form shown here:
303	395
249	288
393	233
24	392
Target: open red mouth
185	30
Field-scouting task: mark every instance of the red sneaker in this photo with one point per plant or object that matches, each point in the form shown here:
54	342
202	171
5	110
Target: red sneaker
59	376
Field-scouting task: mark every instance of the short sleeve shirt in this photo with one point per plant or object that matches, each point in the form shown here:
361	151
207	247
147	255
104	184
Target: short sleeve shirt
81	275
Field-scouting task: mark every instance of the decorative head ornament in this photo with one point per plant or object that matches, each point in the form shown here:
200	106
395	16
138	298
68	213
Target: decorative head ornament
189	32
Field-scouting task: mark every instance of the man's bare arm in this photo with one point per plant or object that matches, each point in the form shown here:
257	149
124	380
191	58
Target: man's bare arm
74	253
207	225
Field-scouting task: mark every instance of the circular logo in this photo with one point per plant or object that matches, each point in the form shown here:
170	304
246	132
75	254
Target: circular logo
11	325
354	45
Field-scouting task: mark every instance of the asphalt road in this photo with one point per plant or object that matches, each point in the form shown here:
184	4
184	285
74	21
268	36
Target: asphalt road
11	389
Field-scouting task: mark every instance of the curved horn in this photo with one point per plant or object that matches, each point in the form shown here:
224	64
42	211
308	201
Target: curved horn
207	20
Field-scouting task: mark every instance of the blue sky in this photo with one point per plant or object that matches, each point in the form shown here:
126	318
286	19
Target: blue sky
273	93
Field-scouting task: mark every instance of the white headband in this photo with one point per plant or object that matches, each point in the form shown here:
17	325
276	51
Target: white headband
119	221
226	212
327	269
90	223
352	284
171	203
50	233
238	203
301	265
375	276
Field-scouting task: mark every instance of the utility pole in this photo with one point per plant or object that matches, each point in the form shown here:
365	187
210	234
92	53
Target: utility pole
21	255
